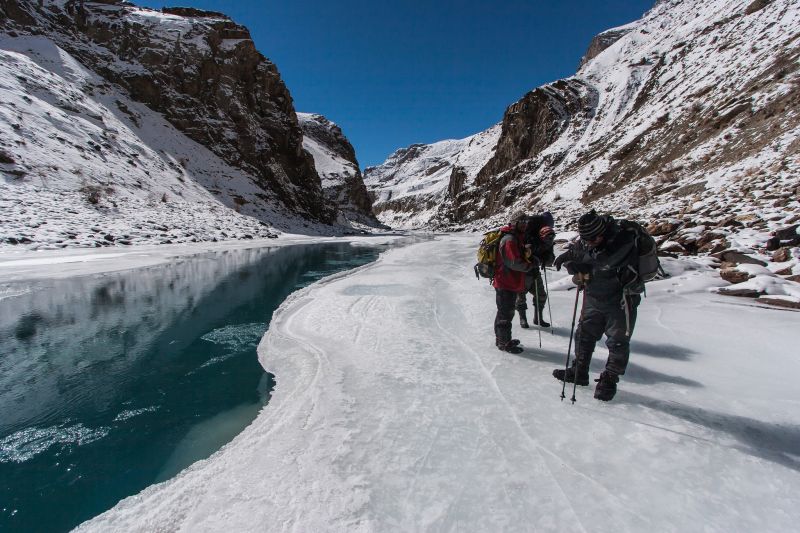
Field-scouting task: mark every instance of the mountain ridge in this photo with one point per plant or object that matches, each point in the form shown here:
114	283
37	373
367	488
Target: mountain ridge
692	89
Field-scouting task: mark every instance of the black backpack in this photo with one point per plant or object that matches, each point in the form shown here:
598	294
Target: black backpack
648	266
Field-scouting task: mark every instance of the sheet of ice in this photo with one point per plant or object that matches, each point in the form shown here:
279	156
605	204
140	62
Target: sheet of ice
393	411
26	265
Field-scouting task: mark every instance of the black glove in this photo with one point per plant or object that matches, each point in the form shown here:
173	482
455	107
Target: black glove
579	268
561	259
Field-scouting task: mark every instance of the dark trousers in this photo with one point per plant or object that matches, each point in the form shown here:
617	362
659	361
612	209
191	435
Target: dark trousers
608	316
505	314
535	286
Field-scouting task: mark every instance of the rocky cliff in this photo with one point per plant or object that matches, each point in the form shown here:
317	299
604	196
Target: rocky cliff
201	71
335	161
153	119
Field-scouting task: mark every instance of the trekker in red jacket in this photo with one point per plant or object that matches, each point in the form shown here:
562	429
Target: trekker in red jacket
509	279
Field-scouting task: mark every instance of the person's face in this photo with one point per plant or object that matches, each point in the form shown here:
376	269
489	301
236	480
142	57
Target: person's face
595	242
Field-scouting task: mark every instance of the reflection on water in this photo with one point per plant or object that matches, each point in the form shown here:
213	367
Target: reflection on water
110	383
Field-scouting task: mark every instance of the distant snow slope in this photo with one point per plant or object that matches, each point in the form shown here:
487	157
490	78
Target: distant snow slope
693	109
410	185
393	411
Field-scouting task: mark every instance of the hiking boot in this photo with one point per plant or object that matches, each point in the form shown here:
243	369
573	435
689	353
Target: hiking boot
606	386
511	346
523	320
541	322
512	342
568	375
538	318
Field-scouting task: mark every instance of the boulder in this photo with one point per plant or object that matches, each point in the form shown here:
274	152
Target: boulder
734	276
784	271
707	236
738	258
773	243
744	293
788	233
672	247
662	227
729	222
713	247
781	255
779	302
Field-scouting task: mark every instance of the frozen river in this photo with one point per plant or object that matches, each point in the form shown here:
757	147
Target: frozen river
111	382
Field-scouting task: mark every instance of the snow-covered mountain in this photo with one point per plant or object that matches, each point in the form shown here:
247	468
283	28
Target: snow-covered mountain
692	111
127	125
408	188
337	166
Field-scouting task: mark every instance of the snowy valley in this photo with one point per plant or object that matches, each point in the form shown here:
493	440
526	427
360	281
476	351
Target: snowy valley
153	165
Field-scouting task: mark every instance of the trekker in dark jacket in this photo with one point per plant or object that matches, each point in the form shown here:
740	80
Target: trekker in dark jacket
509	279
539	239
601	262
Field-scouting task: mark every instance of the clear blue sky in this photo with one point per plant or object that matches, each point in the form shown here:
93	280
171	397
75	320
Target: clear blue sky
394	73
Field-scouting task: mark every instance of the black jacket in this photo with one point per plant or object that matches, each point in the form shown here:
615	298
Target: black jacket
541	250
608	264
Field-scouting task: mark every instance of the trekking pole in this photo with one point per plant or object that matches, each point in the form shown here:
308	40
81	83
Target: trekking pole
549	311
569	349
575	379
538	312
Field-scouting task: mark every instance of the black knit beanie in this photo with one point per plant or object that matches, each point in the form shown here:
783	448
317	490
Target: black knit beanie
591	225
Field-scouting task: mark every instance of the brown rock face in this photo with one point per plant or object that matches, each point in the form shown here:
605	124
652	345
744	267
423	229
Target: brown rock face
529	126
206	77
534	122
600	42
457	178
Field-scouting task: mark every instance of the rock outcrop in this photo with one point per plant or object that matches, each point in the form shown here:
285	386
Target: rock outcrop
601	41
335	161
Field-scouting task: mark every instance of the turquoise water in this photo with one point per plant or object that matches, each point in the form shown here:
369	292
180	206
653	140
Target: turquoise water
111	383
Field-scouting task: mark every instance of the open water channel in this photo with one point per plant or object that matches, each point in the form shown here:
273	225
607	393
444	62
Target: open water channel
109	383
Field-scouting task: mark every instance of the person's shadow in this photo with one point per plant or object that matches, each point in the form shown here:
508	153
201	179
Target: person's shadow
635	373
778	443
